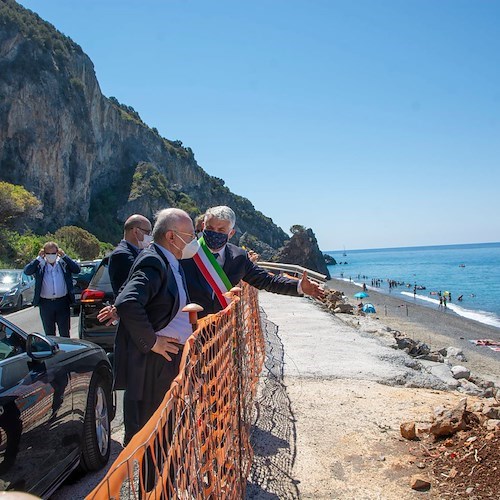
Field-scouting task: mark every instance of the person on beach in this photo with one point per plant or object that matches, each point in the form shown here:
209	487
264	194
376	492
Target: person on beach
440	302
444	301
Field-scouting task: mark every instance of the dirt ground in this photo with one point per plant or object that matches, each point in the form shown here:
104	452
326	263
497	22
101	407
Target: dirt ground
335	438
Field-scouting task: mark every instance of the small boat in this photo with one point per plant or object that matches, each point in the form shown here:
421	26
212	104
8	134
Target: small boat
461	265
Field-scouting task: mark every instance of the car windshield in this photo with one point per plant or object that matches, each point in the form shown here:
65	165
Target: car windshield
86	271
7	277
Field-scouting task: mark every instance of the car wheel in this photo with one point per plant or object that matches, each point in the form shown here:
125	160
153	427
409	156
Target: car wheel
96	427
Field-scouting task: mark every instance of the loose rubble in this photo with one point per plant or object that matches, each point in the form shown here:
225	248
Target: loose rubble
461	448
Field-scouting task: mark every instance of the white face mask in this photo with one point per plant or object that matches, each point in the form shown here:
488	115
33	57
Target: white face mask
51	258
190	250
146	241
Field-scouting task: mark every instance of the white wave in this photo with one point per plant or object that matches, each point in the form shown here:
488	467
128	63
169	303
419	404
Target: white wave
485	317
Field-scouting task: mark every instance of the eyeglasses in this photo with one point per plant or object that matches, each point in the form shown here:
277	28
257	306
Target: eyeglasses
145	231
191	235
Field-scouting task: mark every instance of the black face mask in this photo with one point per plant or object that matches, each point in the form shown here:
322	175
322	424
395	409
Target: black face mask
214	240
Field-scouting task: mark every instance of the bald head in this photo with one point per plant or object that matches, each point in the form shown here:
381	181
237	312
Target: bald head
136	220
173	229
135	228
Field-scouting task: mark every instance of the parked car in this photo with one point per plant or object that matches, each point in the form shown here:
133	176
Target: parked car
82	279
16	289
56	409
98	294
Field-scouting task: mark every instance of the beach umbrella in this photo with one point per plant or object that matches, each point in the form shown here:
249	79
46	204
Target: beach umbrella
361	295
368	308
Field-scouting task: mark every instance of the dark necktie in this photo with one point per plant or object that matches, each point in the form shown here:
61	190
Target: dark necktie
216	255
183	276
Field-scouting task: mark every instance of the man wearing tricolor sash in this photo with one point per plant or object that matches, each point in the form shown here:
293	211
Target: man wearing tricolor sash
219	265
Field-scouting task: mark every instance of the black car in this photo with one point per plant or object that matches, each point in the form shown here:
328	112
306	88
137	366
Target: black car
82	279
55	409
98	294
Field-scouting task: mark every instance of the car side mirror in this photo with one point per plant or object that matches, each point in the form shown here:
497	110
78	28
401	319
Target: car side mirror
40	347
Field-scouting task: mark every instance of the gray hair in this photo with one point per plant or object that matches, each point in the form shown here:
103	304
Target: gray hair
166	220
223	213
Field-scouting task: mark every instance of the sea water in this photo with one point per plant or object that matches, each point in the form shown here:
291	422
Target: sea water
471	271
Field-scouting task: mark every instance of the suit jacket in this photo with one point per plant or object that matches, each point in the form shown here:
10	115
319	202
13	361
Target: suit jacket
147	303
237	267
120	262
37	268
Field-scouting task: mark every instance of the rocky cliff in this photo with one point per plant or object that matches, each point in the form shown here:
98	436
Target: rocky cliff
91	160
302	249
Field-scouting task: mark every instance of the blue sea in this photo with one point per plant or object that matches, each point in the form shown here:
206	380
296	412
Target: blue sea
471	271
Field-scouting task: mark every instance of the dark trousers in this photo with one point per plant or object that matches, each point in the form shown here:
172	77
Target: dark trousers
55	312
159	376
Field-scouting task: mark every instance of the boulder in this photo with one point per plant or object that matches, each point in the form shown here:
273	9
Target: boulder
408	430
448	422
459	371
419	483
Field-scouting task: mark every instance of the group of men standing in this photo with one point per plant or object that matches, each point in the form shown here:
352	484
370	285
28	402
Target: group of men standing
155	272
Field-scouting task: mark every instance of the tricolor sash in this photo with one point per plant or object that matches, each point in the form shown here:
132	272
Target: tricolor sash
213	273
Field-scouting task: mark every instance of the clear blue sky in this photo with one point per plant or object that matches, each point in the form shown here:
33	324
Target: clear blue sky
377	124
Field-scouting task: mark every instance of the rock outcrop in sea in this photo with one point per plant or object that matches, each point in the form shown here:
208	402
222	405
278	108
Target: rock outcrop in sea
303	249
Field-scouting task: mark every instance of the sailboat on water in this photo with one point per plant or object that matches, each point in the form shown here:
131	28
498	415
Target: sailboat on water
344	254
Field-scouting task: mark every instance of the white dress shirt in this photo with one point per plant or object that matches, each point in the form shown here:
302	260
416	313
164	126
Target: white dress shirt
53	284
179	327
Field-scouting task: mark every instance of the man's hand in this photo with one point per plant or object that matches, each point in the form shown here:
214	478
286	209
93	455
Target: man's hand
41	253
108	314
61	253
163	346
310	288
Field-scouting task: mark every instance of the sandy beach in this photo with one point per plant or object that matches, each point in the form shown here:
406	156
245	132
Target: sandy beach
439	328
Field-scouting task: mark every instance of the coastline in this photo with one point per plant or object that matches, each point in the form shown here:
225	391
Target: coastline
438	328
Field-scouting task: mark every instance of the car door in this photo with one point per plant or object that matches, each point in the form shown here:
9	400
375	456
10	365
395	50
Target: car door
37	433
28	287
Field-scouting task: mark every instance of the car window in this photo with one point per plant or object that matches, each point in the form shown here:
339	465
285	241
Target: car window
86	272
11	343
100	280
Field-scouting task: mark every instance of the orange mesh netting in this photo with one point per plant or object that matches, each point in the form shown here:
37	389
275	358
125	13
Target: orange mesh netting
196	445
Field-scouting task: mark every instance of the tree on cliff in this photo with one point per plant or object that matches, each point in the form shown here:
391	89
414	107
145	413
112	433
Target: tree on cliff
17	205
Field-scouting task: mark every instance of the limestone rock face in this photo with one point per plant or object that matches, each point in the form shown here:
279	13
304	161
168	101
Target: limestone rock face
302	249
80	152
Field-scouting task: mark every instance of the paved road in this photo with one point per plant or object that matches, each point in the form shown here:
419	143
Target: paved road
29	320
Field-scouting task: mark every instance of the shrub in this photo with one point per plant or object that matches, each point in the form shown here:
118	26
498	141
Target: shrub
77	242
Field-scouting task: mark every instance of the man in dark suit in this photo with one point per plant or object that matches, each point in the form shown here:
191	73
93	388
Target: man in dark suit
218	228
152	325
136	236
53	271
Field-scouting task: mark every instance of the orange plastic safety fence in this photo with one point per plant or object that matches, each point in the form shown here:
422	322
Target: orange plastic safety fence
196	445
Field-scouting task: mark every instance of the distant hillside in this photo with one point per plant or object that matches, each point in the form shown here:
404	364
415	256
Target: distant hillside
91	160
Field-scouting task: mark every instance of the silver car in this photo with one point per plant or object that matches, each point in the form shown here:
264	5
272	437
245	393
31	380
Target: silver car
16	289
